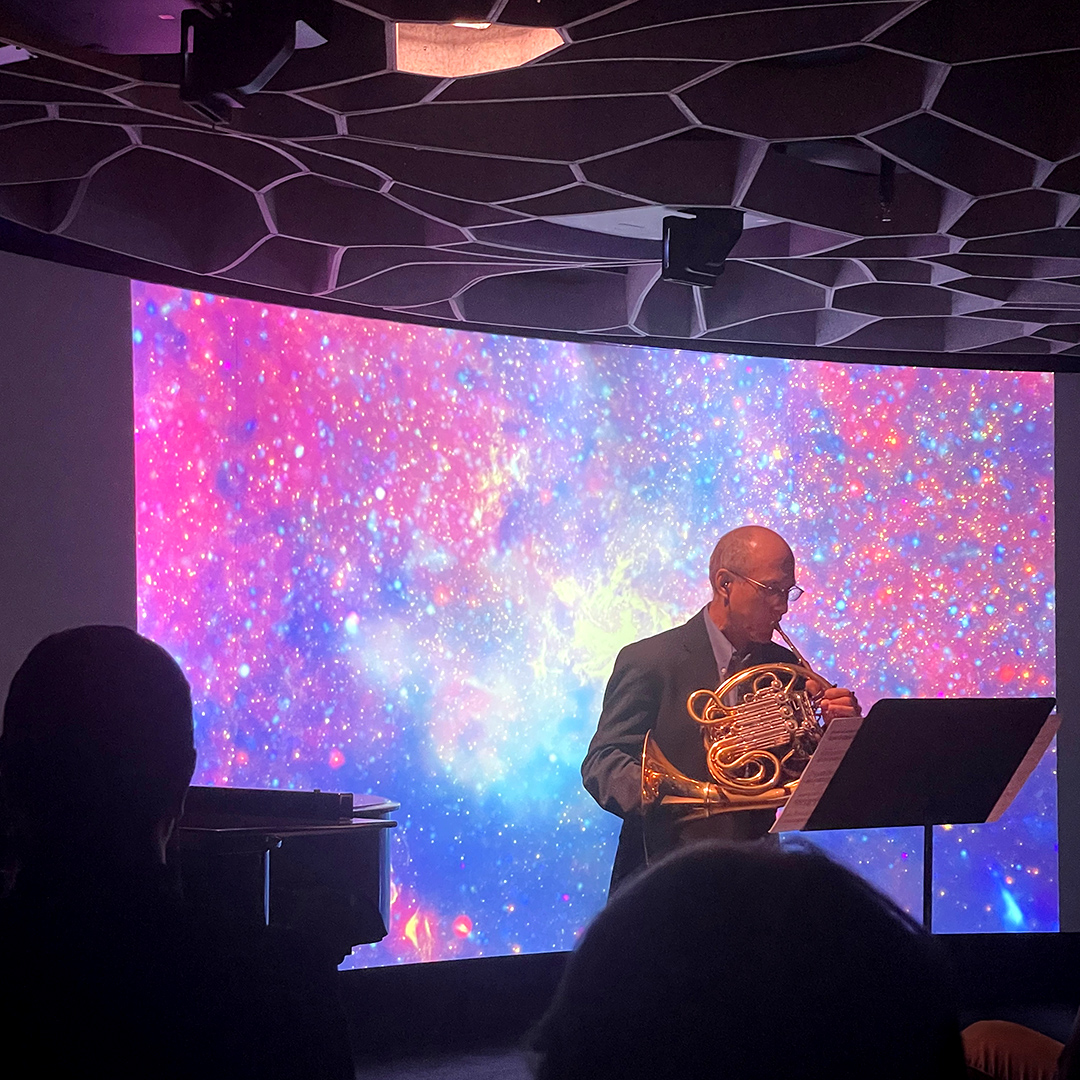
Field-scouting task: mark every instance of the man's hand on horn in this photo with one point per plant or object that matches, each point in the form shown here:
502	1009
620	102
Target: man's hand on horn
834	701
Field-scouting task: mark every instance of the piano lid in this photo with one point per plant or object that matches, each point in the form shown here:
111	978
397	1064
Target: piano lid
218	807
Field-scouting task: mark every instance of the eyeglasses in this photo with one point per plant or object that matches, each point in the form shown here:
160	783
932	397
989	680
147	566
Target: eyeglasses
788	594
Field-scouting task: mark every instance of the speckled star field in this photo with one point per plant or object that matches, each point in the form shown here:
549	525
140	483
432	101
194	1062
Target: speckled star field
402	559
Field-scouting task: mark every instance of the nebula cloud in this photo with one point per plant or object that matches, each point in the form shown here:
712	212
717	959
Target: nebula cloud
402	559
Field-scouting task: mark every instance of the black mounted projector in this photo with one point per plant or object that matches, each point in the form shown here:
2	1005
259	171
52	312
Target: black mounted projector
695	248
233	48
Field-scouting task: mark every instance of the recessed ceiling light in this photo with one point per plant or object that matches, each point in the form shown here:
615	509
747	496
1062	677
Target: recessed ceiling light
166	16
453	50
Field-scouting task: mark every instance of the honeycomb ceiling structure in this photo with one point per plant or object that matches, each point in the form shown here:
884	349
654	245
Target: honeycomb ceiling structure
531	200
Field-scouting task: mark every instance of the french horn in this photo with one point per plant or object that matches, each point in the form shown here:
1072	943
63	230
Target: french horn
760	727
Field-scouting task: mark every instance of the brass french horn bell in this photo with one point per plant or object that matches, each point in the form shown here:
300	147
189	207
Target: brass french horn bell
756	747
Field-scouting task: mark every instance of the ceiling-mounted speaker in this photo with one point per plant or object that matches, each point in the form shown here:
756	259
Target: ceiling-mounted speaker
886	188
236	47
695	248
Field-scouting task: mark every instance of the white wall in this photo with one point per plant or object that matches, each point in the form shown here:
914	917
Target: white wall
67	473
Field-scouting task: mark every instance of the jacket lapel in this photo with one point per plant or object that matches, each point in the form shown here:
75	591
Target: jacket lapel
699	666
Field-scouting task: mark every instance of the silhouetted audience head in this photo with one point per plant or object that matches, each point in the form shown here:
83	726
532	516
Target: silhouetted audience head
95	759
747	963
97	744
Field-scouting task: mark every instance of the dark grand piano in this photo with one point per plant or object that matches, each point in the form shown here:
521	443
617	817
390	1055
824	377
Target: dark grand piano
315	862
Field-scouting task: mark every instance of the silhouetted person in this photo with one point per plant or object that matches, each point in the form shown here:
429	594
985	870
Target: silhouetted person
727	961
104	968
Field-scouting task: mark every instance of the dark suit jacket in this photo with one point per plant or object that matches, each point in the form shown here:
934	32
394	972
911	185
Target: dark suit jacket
647	691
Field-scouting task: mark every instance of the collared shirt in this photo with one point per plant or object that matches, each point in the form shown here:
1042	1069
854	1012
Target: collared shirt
724	652
722	649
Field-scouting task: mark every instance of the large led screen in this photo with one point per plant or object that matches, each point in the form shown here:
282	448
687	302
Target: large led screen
401	559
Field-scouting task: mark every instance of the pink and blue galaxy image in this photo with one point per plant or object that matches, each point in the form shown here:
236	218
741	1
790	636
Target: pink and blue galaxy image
401	559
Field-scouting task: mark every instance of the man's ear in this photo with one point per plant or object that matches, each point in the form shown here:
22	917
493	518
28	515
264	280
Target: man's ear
721	582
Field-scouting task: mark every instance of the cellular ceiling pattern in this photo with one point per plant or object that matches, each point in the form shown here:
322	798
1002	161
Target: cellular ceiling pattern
531	199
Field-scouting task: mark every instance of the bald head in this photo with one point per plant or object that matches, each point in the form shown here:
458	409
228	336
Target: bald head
748	610
745	548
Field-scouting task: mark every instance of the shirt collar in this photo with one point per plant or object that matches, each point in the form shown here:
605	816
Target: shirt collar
721	647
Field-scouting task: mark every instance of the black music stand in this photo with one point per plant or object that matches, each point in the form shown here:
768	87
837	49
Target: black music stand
921	761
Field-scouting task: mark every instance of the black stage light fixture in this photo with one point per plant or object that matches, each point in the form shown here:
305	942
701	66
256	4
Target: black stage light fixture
230	49
695	248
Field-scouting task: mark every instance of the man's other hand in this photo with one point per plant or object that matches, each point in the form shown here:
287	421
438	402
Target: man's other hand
834	702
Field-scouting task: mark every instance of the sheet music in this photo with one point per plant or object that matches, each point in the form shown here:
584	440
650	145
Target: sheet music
819	772
1025	768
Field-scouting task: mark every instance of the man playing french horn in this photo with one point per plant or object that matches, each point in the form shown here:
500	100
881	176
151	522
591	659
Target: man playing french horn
656	682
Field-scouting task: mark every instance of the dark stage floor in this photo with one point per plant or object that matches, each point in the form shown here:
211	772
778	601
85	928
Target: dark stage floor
489	1065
